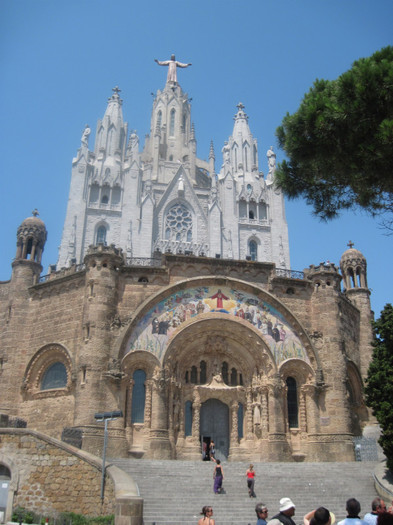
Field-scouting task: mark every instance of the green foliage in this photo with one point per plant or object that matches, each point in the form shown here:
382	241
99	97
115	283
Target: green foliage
340	141
20	514
65	518
379	382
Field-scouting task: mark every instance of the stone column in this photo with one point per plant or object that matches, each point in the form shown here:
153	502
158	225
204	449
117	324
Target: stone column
160	446
235	428
265	413
279	449
249	427
196	417
149	387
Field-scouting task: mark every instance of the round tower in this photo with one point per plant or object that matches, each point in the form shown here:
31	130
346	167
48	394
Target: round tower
353	266
31	238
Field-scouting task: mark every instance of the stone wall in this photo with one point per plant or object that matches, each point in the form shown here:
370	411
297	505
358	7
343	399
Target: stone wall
49	477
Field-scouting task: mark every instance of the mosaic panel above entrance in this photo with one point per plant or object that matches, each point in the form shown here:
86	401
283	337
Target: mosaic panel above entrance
156	327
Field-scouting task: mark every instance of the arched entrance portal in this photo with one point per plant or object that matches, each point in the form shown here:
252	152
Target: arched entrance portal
215	426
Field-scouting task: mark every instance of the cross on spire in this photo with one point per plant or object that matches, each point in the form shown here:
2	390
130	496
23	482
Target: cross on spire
350	244
116	90
35	212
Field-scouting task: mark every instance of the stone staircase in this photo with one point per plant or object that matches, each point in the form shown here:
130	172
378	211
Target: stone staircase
174	492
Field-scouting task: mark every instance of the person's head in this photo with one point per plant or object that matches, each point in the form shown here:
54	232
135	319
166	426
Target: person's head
323	517
261	511
378	505
218	462
287	507
353	507
172	57
251	466
385	518
207	510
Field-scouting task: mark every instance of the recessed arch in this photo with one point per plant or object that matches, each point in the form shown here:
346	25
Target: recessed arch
49	372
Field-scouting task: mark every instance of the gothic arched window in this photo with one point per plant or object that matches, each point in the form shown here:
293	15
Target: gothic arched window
159	118
178	224
188	418
253	249
172	122
292	403
242	209
138	397
94	193
101	235
262	210
233	377
194	378
54	377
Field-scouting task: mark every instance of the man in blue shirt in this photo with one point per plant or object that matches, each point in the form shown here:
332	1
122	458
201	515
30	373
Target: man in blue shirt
261	512
377	507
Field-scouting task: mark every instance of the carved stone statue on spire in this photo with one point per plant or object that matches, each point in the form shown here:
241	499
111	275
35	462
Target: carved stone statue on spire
172	64
85	136
271	159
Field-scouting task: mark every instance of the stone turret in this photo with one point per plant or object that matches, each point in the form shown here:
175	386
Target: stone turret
31	238
354	270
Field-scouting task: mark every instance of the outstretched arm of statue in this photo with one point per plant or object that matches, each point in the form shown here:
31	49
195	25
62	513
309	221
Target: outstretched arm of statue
180	64
164	63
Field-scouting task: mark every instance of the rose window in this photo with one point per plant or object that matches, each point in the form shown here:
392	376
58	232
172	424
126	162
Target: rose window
178	224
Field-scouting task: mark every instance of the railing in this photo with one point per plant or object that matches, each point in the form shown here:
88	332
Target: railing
289	274
144	261
61	273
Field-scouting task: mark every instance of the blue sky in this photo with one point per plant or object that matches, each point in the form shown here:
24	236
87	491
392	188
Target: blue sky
60	59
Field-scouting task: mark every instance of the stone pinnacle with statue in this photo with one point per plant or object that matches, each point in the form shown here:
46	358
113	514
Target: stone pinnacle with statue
172	64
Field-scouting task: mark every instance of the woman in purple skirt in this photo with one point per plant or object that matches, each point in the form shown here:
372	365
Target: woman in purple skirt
218	476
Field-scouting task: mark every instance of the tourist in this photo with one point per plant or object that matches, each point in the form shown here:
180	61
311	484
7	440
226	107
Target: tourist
353	511
261	512
250	474
385	518
212	451
320	516
207	516
377	507
287	510
218	476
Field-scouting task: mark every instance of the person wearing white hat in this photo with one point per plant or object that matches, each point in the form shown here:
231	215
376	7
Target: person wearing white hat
284	517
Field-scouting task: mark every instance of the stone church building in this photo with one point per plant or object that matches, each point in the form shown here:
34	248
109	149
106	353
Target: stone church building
173	301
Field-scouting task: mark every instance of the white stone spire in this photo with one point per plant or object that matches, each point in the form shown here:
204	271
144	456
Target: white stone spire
111	133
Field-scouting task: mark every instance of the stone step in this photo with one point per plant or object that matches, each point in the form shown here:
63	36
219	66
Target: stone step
174	492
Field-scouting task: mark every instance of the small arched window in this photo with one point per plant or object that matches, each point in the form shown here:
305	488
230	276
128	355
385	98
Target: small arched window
202	376
233	377
253	249
224	372
188	418
172	122
292	403
159	118
194	378
138	397
54	377
101	235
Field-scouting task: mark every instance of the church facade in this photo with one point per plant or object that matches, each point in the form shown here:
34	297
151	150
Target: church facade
173	302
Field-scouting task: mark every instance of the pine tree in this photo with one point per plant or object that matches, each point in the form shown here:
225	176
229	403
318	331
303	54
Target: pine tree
339	142
379	383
